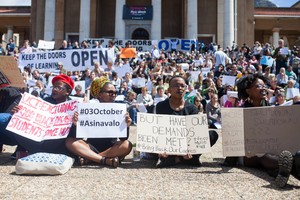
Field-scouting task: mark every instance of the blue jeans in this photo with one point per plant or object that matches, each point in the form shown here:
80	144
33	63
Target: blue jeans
133	115
6	137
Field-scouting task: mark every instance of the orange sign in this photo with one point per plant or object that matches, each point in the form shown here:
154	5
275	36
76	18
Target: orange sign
128	53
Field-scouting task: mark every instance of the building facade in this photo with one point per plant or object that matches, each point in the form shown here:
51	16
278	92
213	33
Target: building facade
219	21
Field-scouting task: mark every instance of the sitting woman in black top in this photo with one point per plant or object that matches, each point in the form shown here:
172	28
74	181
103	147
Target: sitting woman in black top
253	91
176	105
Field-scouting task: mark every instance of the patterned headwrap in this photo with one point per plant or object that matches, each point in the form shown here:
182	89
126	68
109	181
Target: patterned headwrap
97	84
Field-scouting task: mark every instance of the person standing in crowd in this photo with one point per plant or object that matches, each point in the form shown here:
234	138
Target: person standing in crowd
176	105
220	58
281	55
104	151
253	91
26	47
10	47
37	76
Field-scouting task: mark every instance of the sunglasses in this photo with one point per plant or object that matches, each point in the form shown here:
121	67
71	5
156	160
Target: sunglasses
110	92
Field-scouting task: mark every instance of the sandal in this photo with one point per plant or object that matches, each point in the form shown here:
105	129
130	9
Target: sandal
83	161
113	162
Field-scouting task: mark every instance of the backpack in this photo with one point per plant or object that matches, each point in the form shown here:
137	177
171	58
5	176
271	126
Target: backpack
9	98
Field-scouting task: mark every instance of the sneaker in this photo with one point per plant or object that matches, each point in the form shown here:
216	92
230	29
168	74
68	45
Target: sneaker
285	163
165	162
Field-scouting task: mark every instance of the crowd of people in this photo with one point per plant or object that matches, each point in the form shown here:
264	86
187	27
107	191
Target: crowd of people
175	83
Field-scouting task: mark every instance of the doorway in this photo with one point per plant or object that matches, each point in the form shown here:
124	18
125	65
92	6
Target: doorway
140	34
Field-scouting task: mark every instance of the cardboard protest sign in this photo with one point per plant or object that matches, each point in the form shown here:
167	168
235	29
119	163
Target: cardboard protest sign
73	60
122	70
101	120
39	120
228	80
10	73
46	44
194	75
128	53
292	92
139	82
172	134
251	131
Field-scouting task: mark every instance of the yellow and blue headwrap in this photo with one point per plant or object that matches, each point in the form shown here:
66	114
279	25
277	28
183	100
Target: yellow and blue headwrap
97	85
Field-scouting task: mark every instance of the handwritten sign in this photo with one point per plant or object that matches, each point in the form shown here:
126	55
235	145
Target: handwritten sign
292	92
139	82
39	120
122	70
251	131
101	120
43	44
171	134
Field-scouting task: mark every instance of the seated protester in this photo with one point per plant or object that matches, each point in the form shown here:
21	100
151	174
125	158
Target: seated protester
253	91
9	98
123	89
290	84
131	106
196	100
176	105
232	101
273	88
145	99
79	93
62	87
290	73
213	111
104	151
128	80
116	81
282	78
209	87
280	99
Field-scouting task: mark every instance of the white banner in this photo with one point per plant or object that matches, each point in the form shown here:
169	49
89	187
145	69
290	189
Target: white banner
46	44
101	120
39	120
73	60
171	134
146	45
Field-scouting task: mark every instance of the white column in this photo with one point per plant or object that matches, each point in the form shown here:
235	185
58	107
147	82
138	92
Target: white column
84	26
120	23
156	20
10	33
228	23
275	36
49	26
192	19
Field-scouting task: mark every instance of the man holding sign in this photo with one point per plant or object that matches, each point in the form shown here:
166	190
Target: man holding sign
176	105
105	151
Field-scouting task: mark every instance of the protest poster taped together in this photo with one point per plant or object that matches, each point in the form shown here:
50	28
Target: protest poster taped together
39	120
251	131
73	60
101	120
171	134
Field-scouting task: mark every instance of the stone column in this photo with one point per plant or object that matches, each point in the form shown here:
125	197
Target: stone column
49	27
84	26
156	20
10	33
228	23
120	23
275	36
192	19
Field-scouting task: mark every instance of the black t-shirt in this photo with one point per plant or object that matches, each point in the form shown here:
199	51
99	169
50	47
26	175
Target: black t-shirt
165	108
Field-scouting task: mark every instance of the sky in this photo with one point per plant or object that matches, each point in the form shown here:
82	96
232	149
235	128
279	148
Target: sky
284	3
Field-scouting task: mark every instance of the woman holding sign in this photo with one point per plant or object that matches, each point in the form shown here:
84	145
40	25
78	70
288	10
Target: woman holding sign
176	105
253	91
104	151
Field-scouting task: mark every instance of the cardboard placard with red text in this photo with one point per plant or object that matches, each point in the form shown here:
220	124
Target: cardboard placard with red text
39	120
